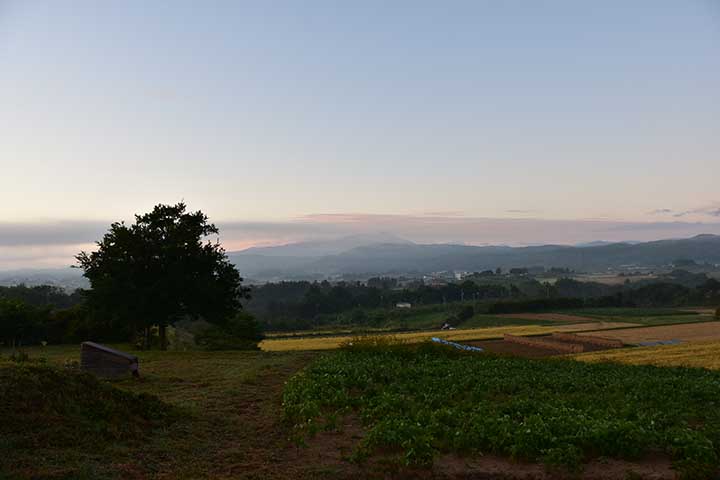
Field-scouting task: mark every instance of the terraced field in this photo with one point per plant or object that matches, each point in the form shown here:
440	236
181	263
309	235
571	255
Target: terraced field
686	332
697	354
330	343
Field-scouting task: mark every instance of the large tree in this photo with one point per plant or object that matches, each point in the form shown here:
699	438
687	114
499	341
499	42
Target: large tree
160	269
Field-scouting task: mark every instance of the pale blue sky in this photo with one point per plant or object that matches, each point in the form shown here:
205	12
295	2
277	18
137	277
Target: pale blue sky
270	111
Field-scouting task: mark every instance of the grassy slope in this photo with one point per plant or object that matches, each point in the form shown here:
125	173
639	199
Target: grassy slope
228	400
44	409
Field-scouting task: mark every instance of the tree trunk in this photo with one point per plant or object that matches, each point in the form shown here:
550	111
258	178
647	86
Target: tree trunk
163	336
146	340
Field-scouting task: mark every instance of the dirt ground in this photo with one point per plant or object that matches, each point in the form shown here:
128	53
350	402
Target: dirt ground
686	332
515	349
526	351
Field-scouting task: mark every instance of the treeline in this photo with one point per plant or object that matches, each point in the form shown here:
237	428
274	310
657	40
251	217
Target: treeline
304	305
43	313
42	296
24	324
301	305
47	313
33	315
650	295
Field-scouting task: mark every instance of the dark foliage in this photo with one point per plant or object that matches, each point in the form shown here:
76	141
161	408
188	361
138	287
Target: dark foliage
240	333
42	296
161	269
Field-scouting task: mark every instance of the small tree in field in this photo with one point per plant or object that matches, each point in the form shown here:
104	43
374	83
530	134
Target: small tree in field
160	269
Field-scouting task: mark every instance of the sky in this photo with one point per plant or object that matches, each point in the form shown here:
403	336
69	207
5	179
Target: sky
478	122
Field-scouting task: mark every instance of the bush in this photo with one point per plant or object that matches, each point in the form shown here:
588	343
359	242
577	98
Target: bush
242	332
465	313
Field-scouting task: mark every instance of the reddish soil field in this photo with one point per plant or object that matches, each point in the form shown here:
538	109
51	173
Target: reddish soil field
515	349
526	351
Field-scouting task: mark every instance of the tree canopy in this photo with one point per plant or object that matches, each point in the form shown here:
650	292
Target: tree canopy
160	269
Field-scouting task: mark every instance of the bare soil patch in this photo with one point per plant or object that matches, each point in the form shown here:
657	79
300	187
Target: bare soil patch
515	349
537	349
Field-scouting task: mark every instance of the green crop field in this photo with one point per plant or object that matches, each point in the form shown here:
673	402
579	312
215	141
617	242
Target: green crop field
560	412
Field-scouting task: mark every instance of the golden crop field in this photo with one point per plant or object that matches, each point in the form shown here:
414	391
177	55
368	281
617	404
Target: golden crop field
696	354
329	343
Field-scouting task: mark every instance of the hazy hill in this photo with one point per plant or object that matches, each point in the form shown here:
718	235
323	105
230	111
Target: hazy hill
385	254
67	278
405	257
326	247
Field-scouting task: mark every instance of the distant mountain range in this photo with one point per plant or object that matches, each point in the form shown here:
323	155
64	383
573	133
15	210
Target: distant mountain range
386	255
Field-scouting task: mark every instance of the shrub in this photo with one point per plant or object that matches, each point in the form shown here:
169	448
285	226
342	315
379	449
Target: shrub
242	332
465	313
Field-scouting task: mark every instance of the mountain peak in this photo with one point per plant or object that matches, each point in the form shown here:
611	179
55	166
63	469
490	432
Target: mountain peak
319	248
